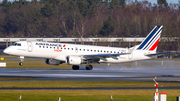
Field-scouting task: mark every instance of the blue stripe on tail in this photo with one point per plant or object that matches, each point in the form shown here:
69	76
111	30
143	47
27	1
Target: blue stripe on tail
149	37
152	39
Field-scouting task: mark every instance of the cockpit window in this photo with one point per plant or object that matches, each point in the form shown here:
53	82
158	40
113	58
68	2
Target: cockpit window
16	44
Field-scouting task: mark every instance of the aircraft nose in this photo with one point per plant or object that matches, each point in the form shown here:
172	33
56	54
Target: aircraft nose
7	50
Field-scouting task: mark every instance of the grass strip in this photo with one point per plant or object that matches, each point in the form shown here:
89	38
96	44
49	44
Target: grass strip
36	65
84	95
15	78
79	84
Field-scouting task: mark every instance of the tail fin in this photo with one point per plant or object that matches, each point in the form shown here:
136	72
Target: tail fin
150	43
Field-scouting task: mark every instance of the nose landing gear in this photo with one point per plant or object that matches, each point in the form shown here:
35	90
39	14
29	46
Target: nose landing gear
21	58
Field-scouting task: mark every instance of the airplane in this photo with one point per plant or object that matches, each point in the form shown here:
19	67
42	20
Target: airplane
75	55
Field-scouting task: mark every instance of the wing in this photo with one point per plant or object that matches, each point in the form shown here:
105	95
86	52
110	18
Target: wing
102	56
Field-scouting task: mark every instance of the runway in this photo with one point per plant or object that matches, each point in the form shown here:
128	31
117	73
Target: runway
167	75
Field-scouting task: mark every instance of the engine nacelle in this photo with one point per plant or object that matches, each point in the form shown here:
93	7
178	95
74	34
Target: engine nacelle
53	62
73	60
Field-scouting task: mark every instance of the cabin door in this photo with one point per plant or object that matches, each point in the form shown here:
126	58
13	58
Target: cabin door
30	46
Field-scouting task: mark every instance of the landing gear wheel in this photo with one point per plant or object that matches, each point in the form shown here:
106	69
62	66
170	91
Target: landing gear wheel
21	58
89	67
75	67
20	63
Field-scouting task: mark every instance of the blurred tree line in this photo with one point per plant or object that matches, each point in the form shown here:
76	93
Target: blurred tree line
87	18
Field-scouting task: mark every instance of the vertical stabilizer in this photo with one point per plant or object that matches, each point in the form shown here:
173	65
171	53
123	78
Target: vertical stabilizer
150	43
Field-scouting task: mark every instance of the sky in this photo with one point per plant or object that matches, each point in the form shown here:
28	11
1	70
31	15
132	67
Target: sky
152	1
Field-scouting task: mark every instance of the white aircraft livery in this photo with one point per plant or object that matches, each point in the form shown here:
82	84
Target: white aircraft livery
75	55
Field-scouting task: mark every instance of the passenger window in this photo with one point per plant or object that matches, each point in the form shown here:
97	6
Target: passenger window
84	49
72	48
94	50
68	48
87	49
39	46
43	46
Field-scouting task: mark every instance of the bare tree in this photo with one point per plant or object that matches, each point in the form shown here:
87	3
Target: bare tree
74	17
62	23
82	28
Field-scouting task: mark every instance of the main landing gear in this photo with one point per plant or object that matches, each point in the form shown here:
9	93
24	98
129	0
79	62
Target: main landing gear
88	67
75	67
21	58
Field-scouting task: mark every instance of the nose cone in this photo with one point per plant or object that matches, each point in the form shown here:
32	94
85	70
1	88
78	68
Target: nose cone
7	51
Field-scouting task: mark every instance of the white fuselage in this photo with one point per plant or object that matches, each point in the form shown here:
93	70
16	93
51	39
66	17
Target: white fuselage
59	51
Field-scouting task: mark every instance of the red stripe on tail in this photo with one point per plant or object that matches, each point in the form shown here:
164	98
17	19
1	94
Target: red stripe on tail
154	46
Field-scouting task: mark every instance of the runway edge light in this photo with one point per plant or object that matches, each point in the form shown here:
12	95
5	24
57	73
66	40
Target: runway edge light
59	99
111	97
19	97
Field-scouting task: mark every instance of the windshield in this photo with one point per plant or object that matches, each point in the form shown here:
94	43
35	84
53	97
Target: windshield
16	44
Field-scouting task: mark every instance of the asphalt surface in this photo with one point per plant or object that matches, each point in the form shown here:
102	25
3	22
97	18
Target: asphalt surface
166	70
169	75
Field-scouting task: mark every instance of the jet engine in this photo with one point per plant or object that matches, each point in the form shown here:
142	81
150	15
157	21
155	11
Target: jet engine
53	62
73	60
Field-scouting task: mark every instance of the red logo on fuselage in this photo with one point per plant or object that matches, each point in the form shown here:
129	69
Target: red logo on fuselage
64	45
57	50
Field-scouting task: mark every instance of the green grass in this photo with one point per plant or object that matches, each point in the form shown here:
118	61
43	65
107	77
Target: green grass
84	95
15	78
36	65
77	84
25	60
